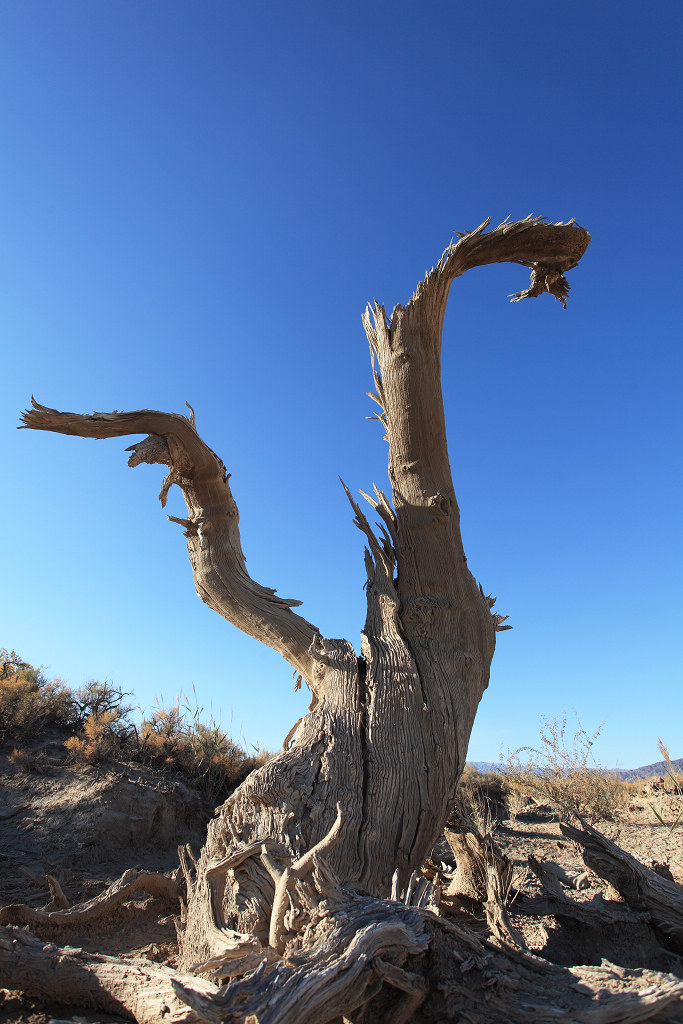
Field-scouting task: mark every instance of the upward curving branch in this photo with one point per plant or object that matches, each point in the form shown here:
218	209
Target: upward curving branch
211	526
444	615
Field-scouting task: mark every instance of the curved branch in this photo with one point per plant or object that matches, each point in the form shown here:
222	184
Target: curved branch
550	250
212	524
445	617
407	345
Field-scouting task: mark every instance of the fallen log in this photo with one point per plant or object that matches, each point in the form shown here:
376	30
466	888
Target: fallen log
455	977
134	988
595	912
643	889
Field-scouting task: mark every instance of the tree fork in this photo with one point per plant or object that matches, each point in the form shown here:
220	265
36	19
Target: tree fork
387	733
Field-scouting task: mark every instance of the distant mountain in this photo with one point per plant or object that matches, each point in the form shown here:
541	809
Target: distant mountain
627	774
658	768
485	766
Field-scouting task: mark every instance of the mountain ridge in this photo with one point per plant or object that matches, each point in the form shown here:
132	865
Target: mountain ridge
626	774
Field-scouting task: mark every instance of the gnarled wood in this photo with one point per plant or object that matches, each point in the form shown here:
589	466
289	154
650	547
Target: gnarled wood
351	947
211	526
387	733
479	982
593	913
461	978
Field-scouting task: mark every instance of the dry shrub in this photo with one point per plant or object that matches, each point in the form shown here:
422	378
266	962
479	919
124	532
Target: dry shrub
481	798
30	704
565	774
29	761
208	756
103	736
171	738
99	699
671	817
516	800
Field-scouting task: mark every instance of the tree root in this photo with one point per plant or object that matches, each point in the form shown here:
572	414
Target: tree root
354	946
557	903
100	906
475	853
336	952
481	983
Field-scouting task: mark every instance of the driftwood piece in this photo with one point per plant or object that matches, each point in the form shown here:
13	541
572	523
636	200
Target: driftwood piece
483	873
132	988
100	906
497	916
591	912
643	889
461	978
474	853
12	812
58	899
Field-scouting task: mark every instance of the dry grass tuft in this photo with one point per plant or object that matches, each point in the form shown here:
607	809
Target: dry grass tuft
672	816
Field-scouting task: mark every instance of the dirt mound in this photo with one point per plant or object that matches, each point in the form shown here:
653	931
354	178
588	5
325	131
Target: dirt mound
85	825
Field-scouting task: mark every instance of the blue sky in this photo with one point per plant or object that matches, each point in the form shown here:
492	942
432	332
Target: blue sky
198	200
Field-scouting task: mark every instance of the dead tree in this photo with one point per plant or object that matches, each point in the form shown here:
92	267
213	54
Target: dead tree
299	862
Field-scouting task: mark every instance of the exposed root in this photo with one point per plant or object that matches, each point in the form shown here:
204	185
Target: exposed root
58	899
478	982
350	950
100	906
348	960
292	874
474	853
594	913
497	916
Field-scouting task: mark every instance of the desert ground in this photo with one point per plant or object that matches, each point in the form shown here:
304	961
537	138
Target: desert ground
84	826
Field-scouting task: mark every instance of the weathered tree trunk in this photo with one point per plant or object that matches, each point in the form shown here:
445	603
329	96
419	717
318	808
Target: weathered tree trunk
370	776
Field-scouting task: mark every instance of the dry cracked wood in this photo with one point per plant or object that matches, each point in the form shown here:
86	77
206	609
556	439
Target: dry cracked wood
474	853
456	976
480	983
352	947
556	903
137	989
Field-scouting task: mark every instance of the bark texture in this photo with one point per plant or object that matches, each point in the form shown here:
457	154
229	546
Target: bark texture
368	779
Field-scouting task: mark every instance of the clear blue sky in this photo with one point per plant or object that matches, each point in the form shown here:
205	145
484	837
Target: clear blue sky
199	198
